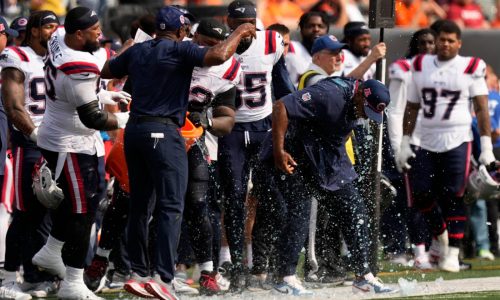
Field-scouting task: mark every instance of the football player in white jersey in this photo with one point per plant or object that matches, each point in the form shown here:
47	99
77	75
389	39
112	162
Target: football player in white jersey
70	143
422	42
443	85
262	63
312	25
211	88
23	93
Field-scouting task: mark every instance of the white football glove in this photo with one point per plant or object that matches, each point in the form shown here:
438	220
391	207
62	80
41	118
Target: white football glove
112	98
122	118
34	135
486	157
404	154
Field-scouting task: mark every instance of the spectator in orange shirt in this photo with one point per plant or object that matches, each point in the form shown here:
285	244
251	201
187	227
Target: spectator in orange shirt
467	14
285	12
496	21
417	13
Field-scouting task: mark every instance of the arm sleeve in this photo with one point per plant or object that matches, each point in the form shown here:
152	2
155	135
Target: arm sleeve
225	98
282	85
479	86
80	92
395	111
118	65
192	53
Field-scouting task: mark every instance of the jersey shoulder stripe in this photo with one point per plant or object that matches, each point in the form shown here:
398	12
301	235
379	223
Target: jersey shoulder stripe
472	66
75	67
232	71
403	64
417	63
22	55
270	42
291	49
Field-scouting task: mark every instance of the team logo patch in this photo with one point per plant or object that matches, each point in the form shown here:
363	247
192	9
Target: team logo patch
333	38
93	13
23	22
306	97
162	26
181	18
367	92
3	56
218	30
240	9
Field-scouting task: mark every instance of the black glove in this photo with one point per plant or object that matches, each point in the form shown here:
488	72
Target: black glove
200	118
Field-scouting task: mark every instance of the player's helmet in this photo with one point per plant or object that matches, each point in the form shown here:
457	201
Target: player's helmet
483	184
45	187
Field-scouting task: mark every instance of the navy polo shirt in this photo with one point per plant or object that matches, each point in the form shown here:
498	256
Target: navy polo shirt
323	116
160	71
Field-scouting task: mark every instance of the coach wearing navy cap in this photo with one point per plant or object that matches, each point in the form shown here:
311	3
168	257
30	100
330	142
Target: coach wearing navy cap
19	25
323	116
160	71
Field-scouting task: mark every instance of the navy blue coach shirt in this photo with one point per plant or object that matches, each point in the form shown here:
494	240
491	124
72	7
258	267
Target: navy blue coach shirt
160	71
324	117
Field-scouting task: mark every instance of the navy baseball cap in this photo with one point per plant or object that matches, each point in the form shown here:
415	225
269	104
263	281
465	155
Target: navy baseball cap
5	27
242	9
170	18
377	98
19	24
353	29
329	42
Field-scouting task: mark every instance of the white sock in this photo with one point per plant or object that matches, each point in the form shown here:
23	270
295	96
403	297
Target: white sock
74	275
249	256
9	277
369	276
224	254
453	251
54	246
419	250
207	266
289	278
443	243
102	252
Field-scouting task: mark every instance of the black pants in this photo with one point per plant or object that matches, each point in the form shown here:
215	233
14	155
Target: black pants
73	219
158	171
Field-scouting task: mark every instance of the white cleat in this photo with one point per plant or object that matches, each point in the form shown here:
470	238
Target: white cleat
75	291
11	290
450	262
422	263
50	263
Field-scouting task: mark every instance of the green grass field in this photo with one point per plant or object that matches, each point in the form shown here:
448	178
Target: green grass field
495	295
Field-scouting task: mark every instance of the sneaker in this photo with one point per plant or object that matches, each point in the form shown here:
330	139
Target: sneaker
50	263
450	261
208	283
136	285
116	279
255	282
222	282
422	263
11	290
371	286
486	254
181	287
292	286
76	291
160	289
238	280
94	275
39	289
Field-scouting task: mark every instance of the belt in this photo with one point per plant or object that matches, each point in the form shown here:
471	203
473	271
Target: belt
162	120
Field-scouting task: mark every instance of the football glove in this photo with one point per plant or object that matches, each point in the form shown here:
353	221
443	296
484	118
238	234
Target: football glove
112	98
200	118
486	157
404	154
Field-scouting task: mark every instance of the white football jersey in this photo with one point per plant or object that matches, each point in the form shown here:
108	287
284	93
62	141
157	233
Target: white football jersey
31	65
207	83
351	62
444	90
297	61
71	80
253	97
